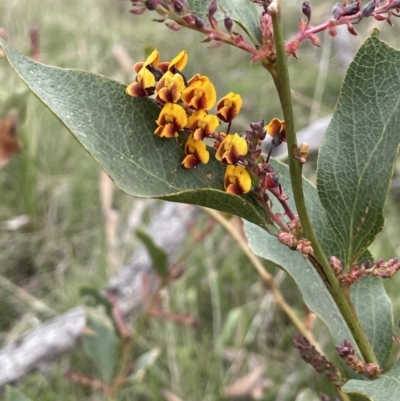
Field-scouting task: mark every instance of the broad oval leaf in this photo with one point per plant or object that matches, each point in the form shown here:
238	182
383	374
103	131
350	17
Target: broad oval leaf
117	130
359	149
384	388
243	12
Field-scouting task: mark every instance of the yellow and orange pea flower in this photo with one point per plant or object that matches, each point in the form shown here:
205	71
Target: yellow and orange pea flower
202	124
275	127
237	180
172	119
145	80
169	88
231	148
229	107
196	152
200	93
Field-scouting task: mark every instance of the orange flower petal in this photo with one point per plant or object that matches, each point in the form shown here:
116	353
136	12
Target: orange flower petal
172	119
170	88
136	90
198	149
146	78
178	62
229	107
231	148
153	59
275	126
237	180
200	94
202	124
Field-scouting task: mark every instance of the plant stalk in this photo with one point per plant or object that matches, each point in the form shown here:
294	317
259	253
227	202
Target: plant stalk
280	76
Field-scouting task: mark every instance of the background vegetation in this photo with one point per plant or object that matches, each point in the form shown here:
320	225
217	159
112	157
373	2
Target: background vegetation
56	184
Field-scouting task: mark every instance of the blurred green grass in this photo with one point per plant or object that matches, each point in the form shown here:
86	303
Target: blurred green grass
56	183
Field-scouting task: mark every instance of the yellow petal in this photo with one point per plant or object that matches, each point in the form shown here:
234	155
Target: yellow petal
179	61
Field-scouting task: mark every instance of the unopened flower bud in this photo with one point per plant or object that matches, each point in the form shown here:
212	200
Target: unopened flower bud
198	22
351	29
304	151
332	31
368	9
306	9
337	11
351	9
379	17
152	4
336	265
228	23
271	181
258	126
288	239
180	6
212	8
173	25
315	40
305	248
138	11
345	349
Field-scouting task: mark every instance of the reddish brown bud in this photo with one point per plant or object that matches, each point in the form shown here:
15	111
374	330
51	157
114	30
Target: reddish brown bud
314	40
337	11
332	30
351	29
336	265
173	25
228	23
212	8
351	9
180	6
152	4
306	9
304	151
198	22
288	239
305	248
138	11
368	9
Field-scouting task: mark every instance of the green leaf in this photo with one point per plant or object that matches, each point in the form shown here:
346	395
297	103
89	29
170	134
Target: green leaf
243	12
143	364
13	394
384	388
117	130
158	256
369	296
374	309
102	343
358	152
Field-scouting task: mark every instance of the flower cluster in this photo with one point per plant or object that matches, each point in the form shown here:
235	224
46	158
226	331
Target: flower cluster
185	106
348	354
380	268
318	361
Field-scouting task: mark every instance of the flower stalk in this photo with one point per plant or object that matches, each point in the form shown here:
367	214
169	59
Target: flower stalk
280	75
